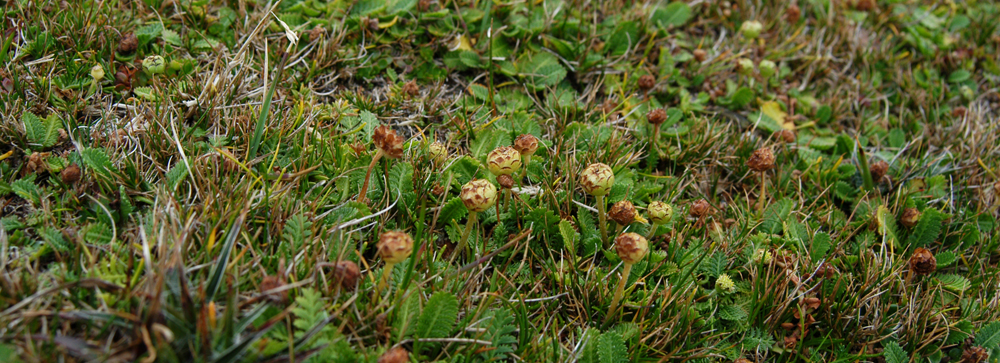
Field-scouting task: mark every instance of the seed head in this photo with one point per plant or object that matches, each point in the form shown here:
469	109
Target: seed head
346	274
878	170
394	246
395	355
788	136
761	160
725	283
386	139
128	44
793	13
751	29
622	213
660	212
647	82
597	179
656	116
478	195
699	208
504	160
505	181
71	174
438	152
699	55
922	262
910	217
631	247
974	354
526	144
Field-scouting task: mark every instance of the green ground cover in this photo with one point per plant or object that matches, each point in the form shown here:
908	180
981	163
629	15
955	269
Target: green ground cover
223	181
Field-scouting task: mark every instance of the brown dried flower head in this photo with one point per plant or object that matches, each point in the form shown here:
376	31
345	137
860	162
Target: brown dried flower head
788	136
910	217
699	208
793	13
503	160
526	144
395	355
878	170
346	274
506	181
660	212
271	283
631	247
597	179
394	246
761	160
71	174
622	213
974	354
922	262
129	43
411	89
647	82
699	55
386	139
478	195
656	116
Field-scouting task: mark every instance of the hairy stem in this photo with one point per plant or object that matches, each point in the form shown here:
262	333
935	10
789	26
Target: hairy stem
603	220
462	244
619	291
385	278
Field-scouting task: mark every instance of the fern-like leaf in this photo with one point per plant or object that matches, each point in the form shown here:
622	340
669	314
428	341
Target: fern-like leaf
927	229
611	348
453	210
989	336
439	316
297	230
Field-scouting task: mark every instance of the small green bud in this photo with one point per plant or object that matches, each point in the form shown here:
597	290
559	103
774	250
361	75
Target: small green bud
97	72
725	284
597	179
766	68
660	212
751	29
745	66
154	64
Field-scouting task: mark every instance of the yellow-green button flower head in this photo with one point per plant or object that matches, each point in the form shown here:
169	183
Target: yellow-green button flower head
394	246
631	247
478	195
660	212
438	152
725	284
597	179
154	64
97	73
503	160
751	29
766	68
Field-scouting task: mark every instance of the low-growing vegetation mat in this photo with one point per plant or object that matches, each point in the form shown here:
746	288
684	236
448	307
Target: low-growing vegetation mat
487	180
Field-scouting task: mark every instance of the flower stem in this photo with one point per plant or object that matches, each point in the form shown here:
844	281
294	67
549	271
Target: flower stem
364	187
652	230
602	220
619	291
763	186
465	235
385	278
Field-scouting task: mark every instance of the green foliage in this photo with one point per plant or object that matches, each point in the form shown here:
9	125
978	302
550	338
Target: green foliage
40	133
499	331
893	353
611	348
927	229
989	336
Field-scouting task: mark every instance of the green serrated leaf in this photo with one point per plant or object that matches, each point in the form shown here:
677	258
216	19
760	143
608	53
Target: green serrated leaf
26	188
453	210
775	214
99	234
611	348
97	160
569	235
954	282
588	351
927	229
989	336
732	313
439	316
176	174
893	353
945	258
541	70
